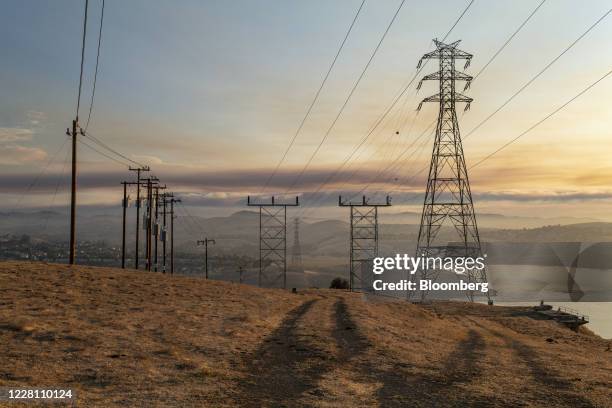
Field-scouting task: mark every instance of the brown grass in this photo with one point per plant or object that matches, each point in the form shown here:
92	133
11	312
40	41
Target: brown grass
129	338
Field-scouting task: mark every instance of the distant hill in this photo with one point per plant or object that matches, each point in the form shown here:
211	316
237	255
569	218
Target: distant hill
486	220
238	233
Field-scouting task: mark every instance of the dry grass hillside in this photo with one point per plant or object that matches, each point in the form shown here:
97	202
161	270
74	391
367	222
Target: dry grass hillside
128	338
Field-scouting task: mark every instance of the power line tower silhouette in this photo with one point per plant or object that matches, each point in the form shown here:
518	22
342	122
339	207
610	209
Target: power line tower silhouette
448	199
364	240
296	249
272	241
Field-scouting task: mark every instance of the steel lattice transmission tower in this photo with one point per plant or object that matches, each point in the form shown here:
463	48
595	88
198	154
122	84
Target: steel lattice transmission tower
296	249
272	241
364	240
448	200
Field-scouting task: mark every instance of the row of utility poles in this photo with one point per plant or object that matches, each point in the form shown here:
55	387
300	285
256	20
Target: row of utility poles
158	216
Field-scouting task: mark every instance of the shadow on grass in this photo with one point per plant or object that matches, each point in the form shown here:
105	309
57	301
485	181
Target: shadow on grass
399	388
285	366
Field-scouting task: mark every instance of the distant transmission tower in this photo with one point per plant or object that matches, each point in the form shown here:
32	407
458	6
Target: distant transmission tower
272	241
296	249
448	200
364	240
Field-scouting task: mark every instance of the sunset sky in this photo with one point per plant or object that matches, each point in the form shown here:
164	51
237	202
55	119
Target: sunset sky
209	93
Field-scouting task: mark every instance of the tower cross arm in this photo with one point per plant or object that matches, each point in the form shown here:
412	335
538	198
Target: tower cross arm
430	55
436	98
455	75
447	50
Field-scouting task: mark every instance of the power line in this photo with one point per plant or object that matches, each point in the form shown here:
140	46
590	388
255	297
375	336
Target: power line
529	82
521	89
44	169
103	154
503	46
458	19
385	114
316	97
397	162
82	58
57	186
93	92
333	124
420	151
520	27
393	163
191	217
541	120
110	149
189	227
390	107
382	171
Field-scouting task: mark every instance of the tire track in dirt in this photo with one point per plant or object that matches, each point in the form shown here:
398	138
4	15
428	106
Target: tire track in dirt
545	377
287	365
398	387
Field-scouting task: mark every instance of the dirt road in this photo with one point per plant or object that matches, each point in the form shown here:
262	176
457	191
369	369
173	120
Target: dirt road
321	356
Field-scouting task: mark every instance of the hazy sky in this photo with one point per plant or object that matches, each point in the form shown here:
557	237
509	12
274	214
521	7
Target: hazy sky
209	93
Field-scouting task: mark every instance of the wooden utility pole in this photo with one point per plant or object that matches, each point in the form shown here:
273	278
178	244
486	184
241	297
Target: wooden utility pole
149	218
71	259
205	242
172	201
138	171
156	225
75	126
240	271
165	197
151	184
125	205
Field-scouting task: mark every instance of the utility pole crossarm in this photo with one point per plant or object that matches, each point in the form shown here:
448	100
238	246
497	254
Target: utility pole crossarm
364	203
273	203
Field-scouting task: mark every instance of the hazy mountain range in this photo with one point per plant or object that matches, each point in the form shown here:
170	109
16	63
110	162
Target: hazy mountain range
239	231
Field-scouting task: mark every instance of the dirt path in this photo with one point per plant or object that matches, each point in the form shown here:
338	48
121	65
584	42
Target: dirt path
397	386
297	366
290	362
540	379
